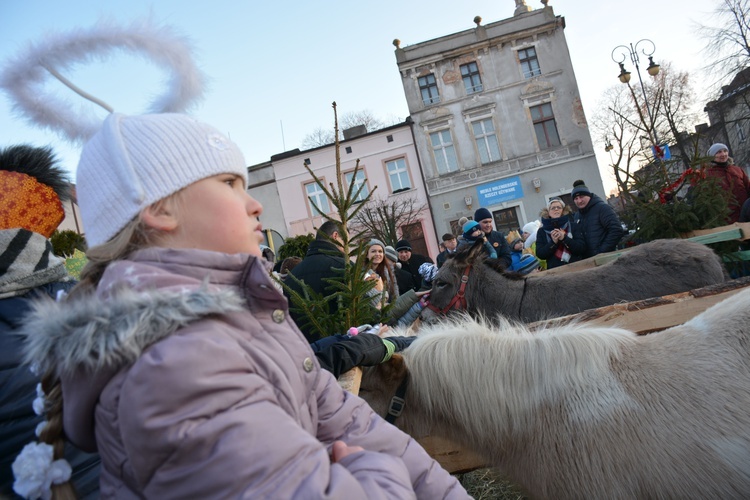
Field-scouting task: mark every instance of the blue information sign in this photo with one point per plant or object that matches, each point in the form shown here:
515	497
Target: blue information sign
496	192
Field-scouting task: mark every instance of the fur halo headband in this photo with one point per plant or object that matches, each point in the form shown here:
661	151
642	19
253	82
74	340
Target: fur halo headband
23	76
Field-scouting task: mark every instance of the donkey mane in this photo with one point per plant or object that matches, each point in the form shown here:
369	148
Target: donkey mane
507	361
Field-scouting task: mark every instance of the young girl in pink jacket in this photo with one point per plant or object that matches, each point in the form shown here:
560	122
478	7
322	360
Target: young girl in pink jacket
175	357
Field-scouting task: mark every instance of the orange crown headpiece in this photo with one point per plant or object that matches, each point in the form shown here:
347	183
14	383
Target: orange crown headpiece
31	189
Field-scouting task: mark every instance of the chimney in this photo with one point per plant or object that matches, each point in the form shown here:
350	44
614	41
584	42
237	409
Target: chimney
351	133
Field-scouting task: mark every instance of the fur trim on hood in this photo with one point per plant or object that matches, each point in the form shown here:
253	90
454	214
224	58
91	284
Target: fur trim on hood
94	334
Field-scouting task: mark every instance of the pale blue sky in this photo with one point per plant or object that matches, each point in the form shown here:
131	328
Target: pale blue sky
284	62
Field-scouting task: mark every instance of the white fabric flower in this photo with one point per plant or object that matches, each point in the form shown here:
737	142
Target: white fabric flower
35	471
40	427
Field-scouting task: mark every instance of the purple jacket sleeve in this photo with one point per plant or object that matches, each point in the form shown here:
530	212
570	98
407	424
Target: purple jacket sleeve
348	418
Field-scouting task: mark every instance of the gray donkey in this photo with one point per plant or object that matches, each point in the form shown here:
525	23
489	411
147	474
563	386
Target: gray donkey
471	282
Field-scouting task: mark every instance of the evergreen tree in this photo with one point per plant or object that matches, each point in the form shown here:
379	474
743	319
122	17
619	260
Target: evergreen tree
352	294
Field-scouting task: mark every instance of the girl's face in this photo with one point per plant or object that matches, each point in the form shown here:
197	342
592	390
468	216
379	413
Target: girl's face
375	254
518	246
217	214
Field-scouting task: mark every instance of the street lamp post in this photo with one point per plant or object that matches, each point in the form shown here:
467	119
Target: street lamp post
653	69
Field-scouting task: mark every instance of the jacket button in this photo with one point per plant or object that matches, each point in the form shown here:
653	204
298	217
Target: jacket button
278	316
307	364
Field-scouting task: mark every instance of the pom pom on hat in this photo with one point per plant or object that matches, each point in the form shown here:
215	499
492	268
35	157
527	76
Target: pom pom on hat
403	245
391	253
715	148
135	161
481	214
527	264
579	188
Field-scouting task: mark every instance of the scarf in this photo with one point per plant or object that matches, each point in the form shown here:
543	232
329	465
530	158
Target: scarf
27	262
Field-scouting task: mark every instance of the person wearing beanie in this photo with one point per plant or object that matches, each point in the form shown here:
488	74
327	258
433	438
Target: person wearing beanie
33	188
496	239
410	262
472	233
377	262
528	234
596	221
732	180
558	241
527	265
404	279
450	243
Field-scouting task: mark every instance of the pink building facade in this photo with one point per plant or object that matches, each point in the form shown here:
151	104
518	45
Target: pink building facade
388	160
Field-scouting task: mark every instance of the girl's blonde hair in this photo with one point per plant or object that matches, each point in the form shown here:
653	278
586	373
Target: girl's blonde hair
136	235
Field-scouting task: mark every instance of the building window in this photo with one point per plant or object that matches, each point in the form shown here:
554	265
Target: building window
445	153
389	138
317	196
398	175
360	180
741	132
429	90
529	62
544	126
348	150
472	80
484	135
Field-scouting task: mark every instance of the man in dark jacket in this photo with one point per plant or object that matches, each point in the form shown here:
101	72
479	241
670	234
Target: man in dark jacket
410	262
450	243
495	238
324	259
33	188
596	221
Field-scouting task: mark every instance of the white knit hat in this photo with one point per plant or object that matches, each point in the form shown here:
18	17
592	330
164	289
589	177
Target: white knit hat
135	161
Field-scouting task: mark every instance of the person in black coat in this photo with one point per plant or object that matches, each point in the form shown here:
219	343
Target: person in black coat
596	221
495	238
450	242
410	262
558	240
31	208
324	259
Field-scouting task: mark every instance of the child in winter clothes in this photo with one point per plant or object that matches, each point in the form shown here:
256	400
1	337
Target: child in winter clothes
473	233
176	355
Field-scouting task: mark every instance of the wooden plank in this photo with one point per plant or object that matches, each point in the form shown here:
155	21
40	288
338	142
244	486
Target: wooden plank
744	227
351	380
719	236
452	457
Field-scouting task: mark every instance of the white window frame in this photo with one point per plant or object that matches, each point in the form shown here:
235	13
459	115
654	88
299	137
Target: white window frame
397	169
359	181
315	192
532	72
470	74
444	152
432	99
486	141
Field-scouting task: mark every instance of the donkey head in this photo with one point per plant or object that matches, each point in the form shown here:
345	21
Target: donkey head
450	282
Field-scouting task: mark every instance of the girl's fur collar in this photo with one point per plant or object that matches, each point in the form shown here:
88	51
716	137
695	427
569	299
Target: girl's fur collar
93	333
